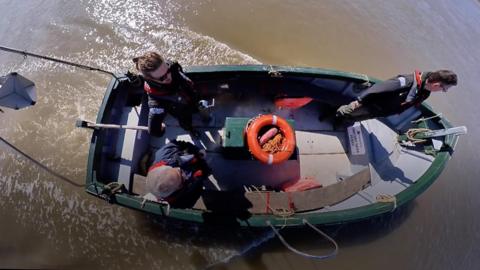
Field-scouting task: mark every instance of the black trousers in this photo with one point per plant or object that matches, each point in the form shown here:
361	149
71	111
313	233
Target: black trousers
158	110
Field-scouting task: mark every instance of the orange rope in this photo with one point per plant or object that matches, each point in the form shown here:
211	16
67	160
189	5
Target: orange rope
274	145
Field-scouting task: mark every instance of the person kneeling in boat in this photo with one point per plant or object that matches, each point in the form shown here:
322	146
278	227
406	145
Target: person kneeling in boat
177	174
396	95
169	91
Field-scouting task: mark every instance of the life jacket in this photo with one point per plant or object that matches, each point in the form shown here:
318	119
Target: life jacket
413	96
158	91
181	87
418	78
155	91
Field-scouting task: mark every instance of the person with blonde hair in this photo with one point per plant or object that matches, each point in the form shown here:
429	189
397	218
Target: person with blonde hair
169	90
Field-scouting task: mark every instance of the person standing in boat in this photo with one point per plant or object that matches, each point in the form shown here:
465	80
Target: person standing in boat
177	174
169	91
396	95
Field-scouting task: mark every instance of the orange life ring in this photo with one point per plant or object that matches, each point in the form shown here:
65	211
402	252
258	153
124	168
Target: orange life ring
254	127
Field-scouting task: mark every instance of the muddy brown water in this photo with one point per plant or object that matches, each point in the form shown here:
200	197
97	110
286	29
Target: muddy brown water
48	223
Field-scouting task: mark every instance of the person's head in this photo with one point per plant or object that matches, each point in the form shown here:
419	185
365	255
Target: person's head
153	67
164	180
440	80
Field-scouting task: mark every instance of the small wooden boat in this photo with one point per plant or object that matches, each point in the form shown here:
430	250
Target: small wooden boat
364	170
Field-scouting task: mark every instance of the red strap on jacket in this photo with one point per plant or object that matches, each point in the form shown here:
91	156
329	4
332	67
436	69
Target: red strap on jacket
197	174
156	165
418	78
154	91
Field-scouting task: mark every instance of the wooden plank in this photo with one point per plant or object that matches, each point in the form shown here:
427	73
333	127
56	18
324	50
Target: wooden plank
268	202
127	147
199	205
139	184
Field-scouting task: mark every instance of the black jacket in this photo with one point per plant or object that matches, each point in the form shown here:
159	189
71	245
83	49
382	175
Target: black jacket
194	171
390	97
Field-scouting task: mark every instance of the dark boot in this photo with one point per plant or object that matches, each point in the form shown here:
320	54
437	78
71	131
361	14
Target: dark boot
341	123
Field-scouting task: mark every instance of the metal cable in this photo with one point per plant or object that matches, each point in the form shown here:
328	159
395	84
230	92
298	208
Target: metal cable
25	54
39	164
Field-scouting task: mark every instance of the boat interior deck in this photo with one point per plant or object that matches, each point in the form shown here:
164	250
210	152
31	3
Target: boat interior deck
323	154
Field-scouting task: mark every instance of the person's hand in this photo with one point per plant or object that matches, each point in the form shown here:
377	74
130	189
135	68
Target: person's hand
348	109
202	154
190	82
355	104
344	110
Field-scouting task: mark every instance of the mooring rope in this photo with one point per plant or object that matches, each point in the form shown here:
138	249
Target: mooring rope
39	164
296	251
387	198
425	119
282	212
414	131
